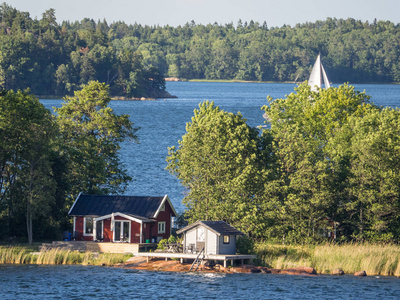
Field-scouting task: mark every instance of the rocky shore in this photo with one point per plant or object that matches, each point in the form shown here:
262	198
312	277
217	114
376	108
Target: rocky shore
160	95
140	263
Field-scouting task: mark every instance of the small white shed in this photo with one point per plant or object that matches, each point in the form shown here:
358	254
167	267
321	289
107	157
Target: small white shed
216	237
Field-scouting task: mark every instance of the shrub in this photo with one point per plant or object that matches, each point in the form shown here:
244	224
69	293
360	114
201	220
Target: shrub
244	245
161	244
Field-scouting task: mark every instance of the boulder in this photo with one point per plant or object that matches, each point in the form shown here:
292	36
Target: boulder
265	270
300	271
255	270
338	272
360	273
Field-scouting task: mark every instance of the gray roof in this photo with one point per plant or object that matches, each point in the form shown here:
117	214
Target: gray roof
100	205
218	227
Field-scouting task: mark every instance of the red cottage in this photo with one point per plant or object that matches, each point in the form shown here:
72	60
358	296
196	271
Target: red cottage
129	219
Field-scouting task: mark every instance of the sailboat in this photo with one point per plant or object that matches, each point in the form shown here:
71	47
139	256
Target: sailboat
318	75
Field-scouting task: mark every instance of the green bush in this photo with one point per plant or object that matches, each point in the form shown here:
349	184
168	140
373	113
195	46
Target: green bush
244	245
172	239
161	244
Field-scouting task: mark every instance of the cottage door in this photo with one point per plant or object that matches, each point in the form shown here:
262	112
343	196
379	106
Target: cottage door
121	231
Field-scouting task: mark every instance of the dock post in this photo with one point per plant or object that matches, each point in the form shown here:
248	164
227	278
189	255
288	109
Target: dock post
181	260
224	263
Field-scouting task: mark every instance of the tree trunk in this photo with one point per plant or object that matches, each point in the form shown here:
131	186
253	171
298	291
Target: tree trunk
361	222
29	209
29	220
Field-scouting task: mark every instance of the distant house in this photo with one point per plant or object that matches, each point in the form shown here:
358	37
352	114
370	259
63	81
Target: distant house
216	237
130	219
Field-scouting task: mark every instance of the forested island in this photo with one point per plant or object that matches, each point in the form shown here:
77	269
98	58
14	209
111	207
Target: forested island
54	58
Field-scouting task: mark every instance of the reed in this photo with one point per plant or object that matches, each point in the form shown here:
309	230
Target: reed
15	255
374	259
23	255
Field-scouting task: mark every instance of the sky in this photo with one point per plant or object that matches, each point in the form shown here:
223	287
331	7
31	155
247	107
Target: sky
178	12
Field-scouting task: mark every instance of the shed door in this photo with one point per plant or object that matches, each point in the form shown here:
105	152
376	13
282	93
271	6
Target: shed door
201	239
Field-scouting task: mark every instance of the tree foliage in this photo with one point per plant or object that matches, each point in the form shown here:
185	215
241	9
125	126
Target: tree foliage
92	134
45	161
220	161
27	182
328	160
336	157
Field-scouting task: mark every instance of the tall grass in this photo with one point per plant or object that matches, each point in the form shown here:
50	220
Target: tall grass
23	255
374	259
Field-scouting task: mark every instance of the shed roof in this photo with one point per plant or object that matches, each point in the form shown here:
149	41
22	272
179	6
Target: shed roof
100	205
218	227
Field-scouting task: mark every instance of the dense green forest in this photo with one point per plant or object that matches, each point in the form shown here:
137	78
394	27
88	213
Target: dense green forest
53	59
326	165
57	58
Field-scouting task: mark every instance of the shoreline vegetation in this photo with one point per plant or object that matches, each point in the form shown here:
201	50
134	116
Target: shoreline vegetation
374	259
165	95
30	255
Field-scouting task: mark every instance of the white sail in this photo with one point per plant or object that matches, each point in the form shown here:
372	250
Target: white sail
318	75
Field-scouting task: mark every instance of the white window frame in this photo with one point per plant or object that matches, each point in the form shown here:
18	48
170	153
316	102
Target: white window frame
84	226
162	208
161	227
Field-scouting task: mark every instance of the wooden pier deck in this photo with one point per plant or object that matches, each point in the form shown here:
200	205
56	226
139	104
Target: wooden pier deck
183	256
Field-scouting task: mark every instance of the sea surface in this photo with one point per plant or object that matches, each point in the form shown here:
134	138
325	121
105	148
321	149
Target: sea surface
89	282
163	123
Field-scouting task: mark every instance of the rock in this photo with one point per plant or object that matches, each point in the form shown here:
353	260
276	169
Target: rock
265	270
255	270
300	271
172	79
360	273
338	272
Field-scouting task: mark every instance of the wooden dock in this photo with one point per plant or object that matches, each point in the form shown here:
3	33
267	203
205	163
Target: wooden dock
183	256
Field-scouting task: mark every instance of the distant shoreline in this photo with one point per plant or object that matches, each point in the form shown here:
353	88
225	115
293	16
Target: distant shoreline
288	82
166	95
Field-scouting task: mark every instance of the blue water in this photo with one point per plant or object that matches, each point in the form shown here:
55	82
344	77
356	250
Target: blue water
163	123
83	282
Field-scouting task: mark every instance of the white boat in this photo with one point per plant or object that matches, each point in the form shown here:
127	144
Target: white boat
318	75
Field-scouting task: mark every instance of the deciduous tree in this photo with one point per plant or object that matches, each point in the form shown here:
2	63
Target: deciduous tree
92	134
220	160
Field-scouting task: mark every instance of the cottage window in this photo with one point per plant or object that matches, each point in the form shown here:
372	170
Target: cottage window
161	227
162	208
226	239
88	225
